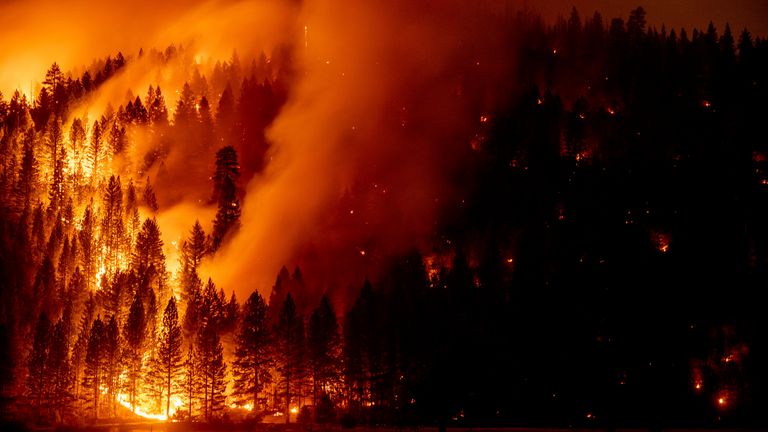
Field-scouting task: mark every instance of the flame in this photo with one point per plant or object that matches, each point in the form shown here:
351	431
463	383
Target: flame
176	403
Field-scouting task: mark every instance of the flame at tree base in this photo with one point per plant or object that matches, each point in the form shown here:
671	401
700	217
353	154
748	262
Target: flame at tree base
122	399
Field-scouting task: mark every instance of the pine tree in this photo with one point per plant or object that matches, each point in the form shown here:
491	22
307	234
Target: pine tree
290	356
131	215
80	349
112	227
94	366
28	171
150	200
59	371
191	380
53	78
77	141
225	180
185	109
38	379
111	350
96	152
86	237
252	352
57	155
149	248
323	343
206	125
156	108
167	362
212	369
193	249
135	333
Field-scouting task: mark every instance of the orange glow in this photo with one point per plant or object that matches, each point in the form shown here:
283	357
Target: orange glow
294	409
662	241
122	399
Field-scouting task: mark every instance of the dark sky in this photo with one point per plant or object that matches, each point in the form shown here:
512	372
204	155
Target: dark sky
674	13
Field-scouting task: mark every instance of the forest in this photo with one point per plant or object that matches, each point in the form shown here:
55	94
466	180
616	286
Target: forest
604	264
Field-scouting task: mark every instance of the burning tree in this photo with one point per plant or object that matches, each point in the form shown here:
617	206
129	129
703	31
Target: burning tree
166	365
225	195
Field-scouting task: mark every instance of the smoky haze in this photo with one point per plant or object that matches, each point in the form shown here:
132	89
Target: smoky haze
363	154
363	151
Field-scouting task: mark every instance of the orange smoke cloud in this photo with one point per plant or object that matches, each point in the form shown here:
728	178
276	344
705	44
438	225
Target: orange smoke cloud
364	154
74	33
364	149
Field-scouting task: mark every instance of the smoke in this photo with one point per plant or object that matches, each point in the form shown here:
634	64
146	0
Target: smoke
363	153
74	33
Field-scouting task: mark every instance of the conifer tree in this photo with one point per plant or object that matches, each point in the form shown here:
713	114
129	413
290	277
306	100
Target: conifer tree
37	378
323	342
59	370
94	367
135	333
225	180
166	365
252	353
290	355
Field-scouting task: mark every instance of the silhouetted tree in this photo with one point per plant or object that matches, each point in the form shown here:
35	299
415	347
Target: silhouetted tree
167	363
290	353
134	333
225	180
324	344
38	378
94	366
252	352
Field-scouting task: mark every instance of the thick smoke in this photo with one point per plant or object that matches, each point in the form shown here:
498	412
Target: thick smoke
362	155
363	151
74	33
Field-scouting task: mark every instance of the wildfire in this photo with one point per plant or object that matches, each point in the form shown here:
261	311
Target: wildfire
247	406
99	274
176	403
662	241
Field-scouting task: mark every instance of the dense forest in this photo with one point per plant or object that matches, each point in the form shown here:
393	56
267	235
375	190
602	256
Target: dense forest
605	266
